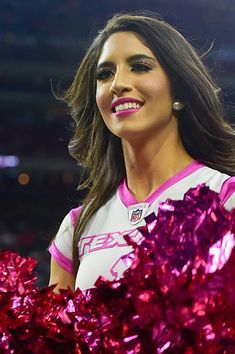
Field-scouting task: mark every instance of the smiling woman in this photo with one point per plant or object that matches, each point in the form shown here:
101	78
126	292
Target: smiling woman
149	126
129	72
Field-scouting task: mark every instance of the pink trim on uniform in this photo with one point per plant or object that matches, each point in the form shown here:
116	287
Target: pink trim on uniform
125	195
74	215
128	199
61	259
227	189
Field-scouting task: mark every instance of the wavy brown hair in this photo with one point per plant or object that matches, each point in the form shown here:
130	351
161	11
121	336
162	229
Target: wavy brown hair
205	133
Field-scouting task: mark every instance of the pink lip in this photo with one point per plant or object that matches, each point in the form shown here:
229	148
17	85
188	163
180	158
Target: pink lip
123	100
126	112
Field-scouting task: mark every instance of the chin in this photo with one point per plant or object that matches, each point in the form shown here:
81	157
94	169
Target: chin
132	135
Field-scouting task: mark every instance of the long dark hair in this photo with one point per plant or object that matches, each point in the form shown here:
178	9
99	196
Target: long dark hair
205	133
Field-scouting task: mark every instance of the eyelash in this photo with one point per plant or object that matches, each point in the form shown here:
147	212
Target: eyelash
142	66
104	74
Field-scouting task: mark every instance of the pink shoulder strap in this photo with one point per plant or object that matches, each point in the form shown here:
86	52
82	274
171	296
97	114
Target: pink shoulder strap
74	215
227	189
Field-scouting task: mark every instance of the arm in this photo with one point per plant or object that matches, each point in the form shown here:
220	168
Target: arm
60	276
61	272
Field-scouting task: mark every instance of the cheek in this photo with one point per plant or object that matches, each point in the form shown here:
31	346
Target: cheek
161	92
102	100
98	99
157	88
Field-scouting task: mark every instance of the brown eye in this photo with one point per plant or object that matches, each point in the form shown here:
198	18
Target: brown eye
141	67
103	74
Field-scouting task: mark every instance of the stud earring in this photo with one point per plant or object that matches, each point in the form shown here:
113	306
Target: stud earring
177	105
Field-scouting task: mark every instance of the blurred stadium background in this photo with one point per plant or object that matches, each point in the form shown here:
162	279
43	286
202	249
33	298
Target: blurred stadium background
42	42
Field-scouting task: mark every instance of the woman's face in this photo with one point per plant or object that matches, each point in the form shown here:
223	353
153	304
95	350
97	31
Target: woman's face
133	91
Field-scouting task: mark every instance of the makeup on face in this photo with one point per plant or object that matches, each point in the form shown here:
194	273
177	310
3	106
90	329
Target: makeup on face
126	105
133	91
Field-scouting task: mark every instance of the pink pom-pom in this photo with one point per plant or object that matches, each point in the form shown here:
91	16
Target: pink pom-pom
177	296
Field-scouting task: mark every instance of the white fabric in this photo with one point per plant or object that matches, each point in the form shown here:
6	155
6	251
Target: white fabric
102	244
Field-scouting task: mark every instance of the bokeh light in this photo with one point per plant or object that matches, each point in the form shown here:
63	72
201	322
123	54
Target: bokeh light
23	178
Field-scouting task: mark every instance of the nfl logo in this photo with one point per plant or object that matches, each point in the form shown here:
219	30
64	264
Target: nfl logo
136	212
136	215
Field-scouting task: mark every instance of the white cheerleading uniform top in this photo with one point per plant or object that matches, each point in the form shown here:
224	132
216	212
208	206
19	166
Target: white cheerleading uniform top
102	245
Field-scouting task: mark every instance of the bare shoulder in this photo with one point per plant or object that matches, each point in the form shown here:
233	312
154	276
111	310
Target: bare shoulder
61	277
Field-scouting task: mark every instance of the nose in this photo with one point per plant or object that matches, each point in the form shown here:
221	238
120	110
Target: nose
120	83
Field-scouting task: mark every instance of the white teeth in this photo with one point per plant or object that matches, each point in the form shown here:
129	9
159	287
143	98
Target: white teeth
127	105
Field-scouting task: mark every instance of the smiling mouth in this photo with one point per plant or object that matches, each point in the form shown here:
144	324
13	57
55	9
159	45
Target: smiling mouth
127	106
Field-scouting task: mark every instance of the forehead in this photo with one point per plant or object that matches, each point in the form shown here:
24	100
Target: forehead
121	44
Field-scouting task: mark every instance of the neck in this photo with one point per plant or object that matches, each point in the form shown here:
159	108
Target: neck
150	164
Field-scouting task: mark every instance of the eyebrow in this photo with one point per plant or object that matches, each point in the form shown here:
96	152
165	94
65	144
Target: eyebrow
131	59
